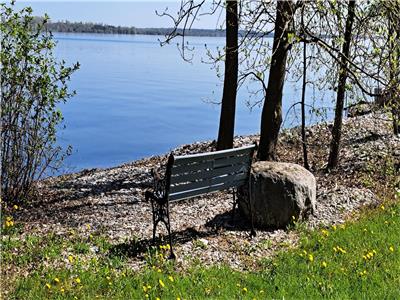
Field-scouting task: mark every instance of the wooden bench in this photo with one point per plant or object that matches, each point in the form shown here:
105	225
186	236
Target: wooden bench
195	175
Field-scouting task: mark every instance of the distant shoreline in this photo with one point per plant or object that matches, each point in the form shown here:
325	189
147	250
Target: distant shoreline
89	27
83	27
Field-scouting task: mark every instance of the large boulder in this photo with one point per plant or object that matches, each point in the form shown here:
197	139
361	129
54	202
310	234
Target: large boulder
279	193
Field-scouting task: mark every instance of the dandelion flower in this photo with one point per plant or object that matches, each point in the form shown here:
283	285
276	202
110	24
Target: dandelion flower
70	258
382	207
78	280
162	284
324	264
391	248
48	285
57	280
334	227
144	288
171	278
159	270
311	257
62	290
245	290
158	298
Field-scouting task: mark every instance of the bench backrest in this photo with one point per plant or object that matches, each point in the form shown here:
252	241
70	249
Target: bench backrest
198	174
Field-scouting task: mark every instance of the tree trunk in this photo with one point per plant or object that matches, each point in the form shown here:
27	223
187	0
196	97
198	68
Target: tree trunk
227	118
303	102
337	126
271	118
394	69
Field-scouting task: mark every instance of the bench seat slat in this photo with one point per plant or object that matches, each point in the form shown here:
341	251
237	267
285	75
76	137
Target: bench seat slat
183	160
202	191
208	182
211	163
205	174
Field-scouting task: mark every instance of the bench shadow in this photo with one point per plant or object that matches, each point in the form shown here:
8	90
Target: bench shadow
224	221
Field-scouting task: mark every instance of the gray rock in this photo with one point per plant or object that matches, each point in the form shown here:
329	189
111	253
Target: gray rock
280	192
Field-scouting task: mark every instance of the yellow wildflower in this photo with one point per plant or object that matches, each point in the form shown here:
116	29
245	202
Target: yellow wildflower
324	264
171	278
382	207
144	288
325	232
62	290
15	207
161	283
159	270
48	285
391	248
334	227
147	296
363	273
261	292
56	280
311	257
78	280
245	290
158	298
70	258
88	226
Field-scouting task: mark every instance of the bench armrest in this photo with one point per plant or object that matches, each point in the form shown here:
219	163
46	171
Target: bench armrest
159	187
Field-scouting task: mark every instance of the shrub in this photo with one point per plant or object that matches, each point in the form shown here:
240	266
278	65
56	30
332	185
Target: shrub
33	83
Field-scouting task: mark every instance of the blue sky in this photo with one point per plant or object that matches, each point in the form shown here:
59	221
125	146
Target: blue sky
125	13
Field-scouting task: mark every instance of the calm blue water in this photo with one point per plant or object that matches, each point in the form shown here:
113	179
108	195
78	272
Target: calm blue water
136	99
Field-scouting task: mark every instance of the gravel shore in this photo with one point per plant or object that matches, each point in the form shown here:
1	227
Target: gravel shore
112	200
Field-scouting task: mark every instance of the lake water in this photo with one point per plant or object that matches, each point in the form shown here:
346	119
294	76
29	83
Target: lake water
136	99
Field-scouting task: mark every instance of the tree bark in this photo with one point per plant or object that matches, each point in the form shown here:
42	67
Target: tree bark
271	118
303	101
337	126
394	58
228	107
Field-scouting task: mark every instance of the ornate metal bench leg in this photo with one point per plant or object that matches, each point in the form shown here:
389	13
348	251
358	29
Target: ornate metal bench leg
150	196
168	224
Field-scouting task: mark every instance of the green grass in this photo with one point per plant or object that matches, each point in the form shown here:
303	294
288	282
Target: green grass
358	260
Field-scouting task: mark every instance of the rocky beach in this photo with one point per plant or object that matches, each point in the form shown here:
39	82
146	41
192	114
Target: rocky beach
111	201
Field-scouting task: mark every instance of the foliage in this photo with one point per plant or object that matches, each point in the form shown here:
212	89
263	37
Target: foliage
33	83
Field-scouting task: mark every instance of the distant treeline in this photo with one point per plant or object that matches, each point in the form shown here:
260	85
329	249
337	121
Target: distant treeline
88	27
